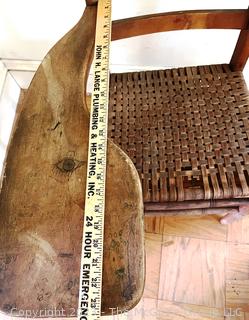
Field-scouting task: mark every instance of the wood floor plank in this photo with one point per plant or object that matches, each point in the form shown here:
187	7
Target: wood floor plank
205	227
193	271
237	314
178	311
148	310
237	262
238	231
153	244
154	224
237	294
145	310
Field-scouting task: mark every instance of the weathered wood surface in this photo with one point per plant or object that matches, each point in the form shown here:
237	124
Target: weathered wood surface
169	21
42	195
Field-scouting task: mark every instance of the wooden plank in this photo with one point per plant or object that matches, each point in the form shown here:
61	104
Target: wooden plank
199	19
237	295
192	271
235	314
154	224
237	277
237	262
151	208
241	52
238	231
204	227
168	310
145	310
43	193
153	244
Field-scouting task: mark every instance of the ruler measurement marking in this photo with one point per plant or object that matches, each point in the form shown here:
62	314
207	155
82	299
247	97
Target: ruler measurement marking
93	233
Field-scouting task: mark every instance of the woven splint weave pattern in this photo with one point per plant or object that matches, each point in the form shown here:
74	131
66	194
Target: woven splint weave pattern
186	130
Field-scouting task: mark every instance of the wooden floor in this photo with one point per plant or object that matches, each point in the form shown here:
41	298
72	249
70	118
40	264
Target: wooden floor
197	269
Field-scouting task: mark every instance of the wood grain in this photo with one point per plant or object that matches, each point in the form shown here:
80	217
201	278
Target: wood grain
241	52
237	294
237	275
236	266
42	196
235	314
204	227
237	262
169	21
238	231
168	310
154	224
236	256
192	271
145	310
153	244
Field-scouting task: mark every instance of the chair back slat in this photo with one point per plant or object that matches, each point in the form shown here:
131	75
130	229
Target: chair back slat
181	20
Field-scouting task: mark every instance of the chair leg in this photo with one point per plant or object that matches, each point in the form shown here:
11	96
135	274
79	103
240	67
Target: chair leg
237	214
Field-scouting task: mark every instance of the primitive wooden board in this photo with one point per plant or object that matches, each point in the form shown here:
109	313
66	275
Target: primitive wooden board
42	195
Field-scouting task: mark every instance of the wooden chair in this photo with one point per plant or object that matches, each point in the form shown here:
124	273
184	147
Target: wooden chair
43	186
186	129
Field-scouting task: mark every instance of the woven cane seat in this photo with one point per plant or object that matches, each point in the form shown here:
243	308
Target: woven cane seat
186	130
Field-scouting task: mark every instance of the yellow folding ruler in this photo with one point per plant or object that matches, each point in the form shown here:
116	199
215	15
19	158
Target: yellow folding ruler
93	233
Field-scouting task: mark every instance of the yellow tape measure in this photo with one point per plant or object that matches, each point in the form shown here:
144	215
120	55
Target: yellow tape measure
93	233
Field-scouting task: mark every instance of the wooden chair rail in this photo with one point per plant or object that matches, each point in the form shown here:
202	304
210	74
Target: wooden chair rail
203	204
170	21
184	20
